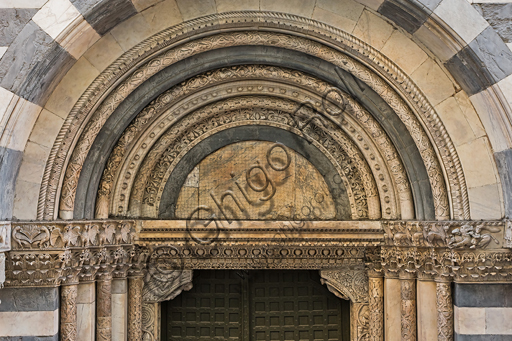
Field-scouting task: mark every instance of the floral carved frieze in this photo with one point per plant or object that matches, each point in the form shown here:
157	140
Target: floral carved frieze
73	234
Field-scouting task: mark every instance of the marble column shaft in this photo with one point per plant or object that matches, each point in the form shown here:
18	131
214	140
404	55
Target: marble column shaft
104	310
444	311
408	308
68	312
135	308
376	301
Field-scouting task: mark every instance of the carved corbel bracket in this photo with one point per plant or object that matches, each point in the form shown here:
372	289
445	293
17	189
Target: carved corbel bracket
351	284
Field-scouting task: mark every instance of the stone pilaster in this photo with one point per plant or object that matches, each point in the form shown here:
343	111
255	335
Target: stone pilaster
408	308
376	306
68	311
104	309
444	311
135	308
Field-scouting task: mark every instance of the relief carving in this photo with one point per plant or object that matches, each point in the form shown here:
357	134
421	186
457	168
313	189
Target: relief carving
444	311
347	284
408	309
68	313
376	309
451	234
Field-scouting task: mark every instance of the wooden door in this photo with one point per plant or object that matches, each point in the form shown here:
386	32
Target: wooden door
273	305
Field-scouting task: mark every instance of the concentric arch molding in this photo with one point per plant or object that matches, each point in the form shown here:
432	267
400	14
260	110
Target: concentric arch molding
159	51
149	124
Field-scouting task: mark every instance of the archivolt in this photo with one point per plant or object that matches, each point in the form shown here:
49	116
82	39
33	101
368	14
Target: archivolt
148	58
363	130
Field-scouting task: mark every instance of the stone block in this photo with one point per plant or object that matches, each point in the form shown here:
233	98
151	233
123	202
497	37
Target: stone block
85	324
466	68
131	32
79	39
469	320
504	165
485	202
505	86
492	114
3	49
119	286
373	30
477	173
9	166
462	18
36	153
371	4
34	64
30	171
433	82
303	8
492	51
18	120
29	323
497	295
427	310
349	9
104	52
141	5
55	16
497	321
470	113
394	50
25	200
334	20
22	3
430	4
405	14
12	21
120	316
499	16
239	5
392	318
29	299
71	88
198	8
163	15
105	15
46	128
455	121
444	46
86	293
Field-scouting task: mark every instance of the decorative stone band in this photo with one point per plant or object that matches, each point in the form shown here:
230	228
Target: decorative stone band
67	252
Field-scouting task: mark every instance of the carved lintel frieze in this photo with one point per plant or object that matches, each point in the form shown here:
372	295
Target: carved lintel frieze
451	234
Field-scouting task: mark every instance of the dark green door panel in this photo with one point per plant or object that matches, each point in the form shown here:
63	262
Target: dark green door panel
256	305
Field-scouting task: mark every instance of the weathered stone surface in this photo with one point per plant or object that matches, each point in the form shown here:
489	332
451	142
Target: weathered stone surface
33	64
10	161
12	21
500	18
504	164
30	338
495	55
29	299
482	295
405	14
105	15
467	70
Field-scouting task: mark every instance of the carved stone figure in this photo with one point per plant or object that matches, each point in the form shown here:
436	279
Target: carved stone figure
468	236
